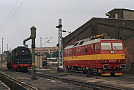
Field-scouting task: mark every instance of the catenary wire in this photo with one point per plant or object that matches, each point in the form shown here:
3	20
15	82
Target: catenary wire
12	16
9	14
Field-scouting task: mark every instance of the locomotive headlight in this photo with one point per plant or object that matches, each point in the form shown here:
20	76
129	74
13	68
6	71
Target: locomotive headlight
111	51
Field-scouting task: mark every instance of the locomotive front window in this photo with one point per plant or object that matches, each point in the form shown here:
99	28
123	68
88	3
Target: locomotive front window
117	46
105	46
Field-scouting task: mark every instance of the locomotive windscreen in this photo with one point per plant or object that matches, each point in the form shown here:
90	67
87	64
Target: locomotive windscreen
109	46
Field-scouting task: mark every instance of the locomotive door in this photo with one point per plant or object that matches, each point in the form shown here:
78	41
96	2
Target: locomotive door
96	49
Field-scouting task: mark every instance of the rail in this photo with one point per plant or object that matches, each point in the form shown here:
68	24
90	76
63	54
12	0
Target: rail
14	84
95	86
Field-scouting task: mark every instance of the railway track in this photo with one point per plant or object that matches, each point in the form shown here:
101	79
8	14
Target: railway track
64	77
14	84
94	86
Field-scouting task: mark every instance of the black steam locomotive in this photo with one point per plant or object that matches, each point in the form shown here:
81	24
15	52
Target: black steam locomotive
20	59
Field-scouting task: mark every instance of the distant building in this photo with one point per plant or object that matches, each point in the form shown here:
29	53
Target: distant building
40	53
121	14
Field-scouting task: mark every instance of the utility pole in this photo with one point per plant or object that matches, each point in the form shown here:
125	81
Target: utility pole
60	46
2	52
40	41
7	47
41	55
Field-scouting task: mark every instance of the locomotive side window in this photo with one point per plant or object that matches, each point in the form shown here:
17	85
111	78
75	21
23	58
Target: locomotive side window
117	46
85	49
68	52
105	46
73	51
78	50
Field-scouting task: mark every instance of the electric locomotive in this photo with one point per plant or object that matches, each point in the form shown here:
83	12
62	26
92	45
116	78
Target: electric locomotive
44	61
96	55
20	59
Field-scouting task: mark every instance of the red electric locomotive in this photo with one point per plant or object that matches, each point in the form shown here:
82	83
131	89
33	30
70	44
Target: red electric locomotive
44	61
100	56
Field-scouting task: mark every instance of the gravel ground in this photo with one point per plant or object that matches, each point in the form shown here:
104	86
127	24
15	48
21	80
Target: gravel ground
43	83
125	81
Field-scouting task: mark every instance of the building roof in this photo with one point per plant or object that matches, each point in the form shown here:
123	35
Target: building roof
117	9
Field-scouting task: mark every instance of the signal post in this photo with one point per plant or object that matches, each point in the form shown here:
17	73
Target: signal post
60	46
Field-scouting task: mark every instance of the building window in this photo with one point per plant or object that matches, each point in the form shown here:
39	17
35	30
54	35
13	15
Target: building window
116	15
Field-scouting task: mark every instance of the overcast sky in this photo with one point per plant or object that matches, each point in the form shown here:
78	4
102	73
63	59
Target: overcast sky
18	16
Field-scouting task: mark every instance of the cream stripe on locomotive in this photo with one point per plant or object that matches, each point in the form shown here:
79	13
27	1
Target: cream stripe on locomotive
96	57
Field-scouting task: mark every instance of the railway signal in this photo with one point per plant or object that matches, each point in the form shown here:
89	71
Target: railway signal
60	46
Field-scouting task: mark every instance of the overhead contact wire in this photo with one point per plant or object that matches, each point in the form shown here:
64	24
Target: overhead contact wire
12	16
9	14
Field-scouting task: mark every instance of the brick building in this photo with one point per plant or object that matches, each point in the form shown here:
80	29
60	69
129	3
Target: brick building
40	53
119	25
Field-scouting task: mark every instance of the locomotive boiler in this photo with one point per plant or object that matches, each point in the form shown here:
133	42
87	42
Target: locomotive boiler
96	55
20	59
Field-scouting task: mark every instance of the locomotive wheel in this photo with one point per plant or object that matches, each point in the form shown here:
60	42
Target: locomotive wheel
18	69
25	70
9	66
66	69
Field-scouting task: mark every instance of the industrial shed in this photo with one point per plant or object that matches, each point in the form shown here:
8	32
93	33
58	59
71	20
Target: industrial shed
119	28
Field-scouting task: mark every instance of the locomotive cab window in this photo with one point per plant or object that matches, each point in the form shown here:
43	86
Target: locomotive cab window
96	47
106	46
117	46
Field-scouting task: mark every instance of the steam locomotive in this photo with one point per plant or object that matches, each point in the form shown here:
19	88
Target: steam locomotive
96	55
20	59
